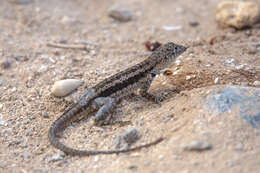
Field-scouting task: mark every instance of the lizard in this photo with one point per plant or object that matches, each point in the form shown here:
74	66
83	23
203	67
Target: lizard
103	97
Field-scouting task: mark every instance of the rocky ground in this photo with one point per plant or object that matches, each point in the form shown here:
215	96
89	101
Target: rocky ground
210	124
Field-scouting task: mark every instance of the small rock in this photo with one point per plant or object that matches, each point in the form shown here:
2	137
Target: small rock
256	83
230	61
237	14
5	64
28	132
43	69
64	87
171	28
140	121
45	115
189	77
216	80
130	135
120	14
133	168
196	146
3	123
178	62
193	23
56	157
239	67
26	156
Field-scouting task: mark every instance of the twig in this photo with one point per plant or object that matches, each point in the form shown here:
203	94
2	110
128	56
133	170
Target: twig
85	42
67	46
249	44
129	52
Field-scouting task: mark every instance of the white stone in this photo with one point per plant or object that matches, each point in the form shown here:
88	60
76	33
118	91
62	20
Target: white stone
64	87
216	80
3	123
178	62
237	14
196	146
189	77
171	28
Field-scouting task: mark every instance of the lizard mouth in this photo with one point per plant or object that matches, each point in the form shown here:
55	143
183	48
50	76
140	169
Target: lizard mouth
182	49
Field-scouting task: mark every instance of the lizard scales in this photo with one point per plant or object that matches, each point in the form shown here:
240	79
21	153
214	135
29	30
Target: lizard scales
114	88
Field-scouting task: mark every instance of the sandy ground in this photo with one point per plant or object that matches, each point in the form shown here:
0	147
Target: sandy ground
28	108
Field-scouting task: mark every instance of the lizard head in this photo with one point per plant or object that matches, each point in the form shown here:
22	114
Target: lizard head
173	50
168	53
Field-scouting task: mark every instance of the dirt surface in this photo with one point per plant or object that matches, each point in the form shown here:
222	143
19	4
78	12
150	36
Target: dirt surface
28	108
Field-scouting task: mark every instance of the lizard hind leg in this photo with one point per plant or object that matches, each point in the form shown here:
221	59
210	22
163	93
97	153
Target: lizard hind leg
105	105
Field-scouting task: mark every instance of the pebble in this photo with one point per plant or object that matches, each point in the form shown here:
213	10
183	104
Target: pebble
230	61
129	136
5	64
171	28
56	157
26	156
237	14
45	115
28	132
216	80
196	146
43	69
189	77
3	123
140	121
256	83
133	168
64	87
193	23
178	62
120	14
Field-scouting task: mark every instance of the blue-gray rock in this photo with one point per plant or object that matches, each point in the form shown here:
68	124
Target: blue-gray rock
5	64
245	98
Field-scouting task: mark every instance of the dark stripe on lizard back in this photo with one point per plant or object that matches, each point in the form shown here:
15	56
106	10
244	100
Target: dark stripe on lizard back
120	86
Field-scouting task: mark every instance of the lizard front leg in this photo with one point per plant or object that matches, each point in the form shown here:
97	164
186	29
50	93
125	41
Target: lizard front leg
104	105
145	87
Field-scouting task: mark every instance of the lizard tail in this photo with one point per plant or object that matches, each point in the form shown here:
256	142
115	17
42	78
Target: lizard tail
60	124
